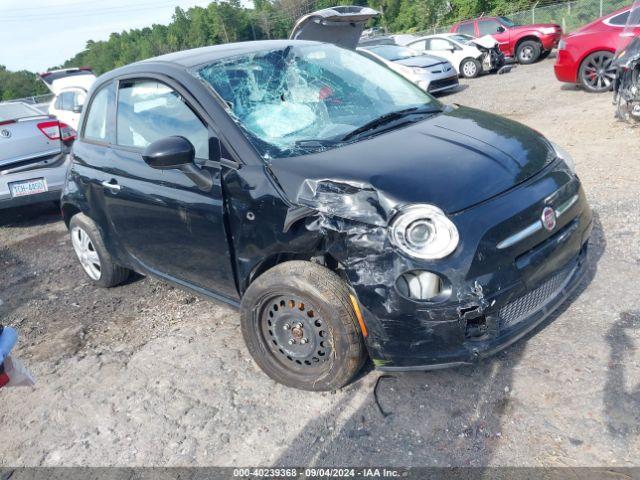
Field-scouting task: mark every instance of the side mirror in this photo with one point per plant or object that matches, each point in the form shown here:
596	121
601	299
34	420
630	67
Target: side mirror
501	29
169	153
77	109
177	153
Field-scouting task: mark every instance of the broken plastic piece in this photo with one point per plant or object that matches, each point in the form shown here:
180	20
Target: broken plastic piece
8	339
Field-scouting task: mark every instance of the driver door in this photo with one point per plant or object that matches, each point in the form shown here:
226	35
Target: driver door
162	220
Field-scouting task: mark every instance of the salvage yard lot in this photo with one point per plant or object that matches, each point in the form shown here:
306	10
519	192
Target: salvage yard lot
146	374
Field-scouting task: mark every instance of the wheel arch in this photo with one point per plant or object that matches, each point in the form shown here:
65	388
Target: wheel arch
324	259
69	210
529	37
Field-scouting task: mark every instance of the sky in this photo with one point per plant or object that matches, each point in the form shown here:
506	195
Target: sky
36	35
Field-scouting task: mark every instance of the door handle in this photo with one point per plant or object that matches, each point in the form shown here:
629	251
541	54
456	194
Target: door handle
111	185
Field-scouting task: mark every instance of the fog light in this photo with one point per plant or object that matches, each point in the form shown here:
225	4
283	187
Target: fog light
421	286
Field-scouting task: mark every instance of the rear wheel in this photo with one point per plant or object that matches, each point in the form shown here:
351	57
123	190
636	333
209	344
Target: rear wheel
300	327
597	72
93	256
470	68
528	52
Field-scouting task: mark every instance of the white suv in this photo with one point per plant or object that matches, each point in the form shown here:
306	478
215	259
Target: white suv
70	87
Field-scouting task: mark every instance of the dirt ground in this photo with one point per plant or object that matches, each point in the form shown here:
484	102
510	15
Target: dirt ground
148	375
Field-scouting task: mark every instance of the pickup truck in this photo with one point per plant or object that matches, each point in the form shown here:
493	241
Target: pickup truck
527	43
33	155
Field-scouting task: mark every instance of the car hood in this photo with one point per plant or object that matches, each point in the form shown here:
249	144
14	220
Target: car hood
423	61
485	42
453	160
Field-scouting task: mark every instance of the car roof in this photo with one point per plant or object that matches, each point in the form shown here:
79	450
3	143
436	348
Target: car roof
187	59
202	55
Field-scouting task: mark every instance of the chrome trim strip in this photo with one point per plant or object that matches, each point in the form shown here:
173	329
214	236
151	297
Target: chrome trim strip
537	226
521	235
564	208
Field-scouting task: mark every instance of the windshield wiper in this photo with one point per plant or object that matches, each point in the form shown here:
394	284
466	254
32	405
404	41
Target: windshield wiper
388	118
314	143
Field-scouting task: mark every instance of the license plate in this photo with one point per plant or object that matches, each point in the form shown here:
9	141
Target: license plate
28	187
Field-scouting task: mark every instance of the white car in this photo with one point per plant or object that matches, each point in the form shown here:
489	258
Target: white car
70	87
432	74
470	56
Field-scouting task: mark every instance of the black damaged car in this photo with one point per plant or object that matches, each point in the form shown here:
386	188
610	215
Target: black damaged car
348	214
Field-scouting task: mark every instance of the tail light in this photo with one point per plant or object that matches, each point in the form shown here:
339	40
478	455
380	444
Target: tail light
67	133
50	129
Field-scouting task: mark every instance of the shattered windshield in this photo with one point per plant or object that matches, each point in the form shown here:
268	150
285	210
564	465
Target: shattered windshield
307	98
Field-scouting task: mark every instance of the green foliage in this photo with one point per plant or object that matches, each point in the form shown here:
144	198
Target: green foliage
19	84
225	21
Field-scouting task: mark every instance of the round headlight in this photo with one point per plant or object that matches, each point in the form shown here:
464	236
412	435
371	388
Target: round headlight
424	232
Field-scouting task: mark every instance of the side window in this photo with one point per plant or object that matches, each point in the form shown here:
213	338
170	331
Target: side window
619	20
440	44
467	29
95	127
149	110
67	100
420	46
488	27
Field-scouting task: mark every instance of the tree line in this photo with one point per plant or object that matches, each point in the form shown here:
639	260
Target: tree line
225	21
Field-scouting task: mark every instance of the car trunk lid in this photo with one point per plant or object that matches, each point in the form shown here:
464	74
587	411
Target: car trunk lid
340	26
26	133
60	80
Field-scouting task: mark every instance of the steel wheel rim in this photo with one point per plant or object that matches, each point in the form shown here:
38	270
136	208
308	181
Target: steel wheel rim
526	53
296	334
86	253
469	69
599	72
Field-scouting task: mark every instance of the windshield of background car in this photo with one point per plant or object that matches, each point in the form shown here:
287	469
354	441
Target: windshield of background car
507	22
311	94
463	39
631	30
393	53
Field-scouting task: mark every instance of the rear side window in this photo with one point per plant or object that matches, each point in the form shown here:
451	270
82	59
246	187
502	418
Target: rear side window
467	29
149	110
619	20
95	127
488	27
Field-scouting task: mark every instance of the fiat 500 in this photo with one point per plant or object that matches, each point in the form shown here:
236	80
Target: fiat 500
345	212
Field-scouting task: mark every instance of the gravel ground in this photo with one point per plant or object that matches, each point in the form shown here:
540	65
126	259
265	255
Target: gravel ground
148	375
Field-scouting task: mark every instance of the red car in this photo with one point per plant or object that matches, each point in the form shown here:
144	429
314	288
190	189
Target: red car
528	43
586	56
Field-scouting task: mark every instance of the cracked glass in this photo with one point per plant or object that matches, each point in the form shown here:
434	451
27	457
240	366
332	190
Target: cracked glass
304	99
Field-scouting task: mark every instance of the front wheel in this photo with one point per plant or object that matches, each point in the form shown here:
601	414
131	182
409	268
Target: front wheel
299	324
598	72
470	68
93	256
528	52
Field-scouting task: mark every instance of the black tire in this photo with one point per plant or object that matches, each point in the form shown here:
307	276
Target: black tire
545	54
597	72
470	68
297	301
110	273
528	52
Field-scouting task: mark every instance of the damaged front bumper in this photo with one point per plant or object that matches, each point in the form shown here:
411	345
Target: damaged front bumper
496	292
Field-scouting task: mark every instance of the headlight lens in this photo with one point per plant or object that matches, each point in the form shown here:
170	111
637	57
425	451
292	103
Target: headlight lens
424	232
566	156
548	30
